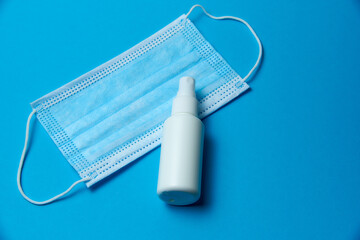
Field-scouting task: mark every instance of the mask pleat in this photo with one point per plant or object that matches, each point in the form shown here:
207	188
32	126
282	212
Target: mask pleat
120	81
136	111
139	91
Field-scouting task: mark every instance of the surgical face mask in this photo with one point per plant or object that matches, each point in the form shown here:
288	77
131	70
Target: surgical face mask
114	114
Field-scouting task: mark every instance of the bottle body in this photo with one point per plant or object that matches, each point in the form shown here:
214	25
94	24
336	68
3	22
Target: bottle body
179	181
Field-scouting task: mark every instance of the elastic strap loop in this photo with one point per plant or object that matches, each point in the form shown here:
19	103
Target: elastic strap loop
21	166
239	20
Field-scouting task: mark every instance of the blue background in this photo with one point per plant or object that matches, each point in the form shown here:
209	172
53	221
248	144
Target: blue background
281	162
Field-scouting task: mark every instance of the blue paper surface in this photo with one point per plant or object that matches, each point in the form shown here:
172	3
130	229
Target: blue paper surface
282	161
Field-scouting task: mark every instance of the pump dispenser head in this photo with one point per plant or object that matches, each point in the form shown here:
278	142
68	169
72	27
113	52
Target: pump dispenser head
186	87
185	100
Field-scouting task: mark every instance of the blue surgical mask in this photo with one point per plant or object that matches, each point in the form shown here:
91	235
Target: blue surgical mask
114	114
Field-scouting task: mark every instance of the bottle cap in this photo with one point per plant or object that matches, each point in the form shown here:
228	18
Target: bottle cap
185	100
186	87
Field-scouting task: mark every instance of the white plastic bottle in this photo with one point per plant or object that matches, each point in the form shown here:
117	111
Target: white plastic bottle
179	181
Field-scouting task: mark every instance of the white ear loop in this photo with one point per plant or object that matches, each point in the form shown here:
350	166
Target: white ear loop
21	166
239	20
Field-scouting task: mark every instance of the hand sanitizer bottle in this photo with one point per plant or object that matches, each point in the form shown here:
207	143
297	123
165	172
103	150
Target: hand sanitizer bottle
179	181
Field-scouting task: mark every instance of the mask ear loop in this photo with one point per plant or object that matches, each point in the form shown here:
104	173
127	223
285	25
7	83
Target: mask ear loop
239	20
21	166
